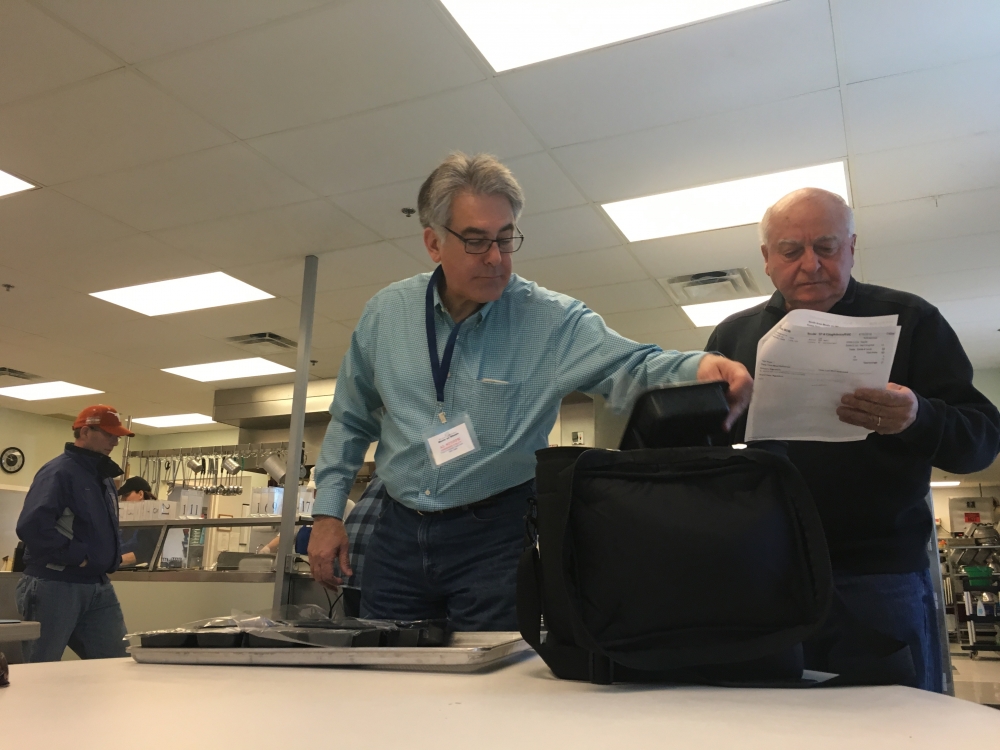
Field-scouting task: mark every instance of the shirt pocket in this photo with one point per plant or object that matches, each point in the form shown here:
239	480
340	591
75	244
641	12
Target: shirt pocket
493	406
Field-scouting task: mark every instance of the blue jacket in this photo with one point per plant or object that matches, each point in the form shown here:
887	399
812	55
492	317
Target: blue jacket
70	515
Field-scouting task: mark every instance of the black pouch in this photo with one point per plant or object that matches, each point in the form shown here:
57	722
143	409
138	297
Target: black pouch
688	563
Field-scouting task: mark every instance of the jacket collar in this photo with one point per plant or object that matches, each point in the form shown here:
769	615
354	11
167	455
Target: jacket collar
103	465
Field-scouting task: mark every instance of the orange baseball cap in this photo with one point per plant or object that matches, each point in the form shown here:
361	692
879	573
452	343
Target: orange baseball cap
105	417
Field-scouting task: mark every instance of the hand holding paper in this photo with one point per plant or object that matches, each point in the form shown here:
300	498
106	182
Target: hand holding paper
809	362
888	411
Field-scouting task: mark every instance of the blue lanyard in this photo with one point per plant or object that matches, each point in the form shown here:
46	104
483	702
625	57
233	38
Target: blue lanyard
439	367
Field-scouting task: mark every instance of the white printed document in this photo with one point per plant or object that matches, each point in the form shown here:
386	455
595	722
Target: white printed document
806	363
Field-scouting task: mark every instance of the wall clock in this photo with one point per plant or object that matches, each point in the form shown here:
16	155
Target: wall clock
12	460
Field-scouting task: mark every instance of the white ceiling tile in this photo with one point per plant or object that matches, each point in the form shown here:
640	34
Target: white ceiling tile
105	124
929	169
581	270
975	311
381	263
295	230
381	208
38	53
546	187
736	247
135	259
923	106
876	39
939	256
327	361
50	224
797	132
345	304
640	325
628	297
571	230
402	142
238	320
346	58
326	335
140	30
943	216
414	247
195	187
947	287
762	54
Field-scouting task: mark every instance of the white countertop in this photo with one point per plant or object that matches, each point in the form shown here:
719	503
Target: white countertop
26	630
161	706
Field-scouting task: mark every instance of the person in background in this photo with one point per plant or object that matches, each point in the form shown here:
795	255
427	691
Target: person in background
69	525
459	376
871	494
136	546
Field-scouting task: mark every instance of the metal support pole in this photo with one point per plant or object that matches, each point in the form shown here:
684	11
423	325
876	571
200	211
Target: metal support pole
937	582
128	426
290	502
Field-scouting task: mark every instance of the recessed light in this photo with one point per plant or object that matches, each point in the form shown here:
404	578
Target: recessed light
229	370
512	33
174	420
724	204
713	313
11	184
42	391
180	295
945	484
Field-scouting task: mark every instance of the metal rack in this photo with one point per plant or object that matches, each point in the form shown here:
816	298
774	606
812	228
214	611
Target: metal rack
204	467
959	591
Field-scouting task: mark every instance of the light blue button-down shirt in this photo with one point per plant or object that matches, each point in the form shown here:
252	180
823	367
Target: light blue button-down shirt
515	359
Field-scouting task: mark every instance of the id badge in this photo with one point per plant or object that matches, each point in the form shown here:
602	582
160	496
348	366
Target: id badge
448	440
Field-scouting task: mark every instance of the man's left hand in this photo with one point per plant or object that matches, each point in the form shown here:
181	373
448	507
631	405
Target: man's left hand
887	412
715	367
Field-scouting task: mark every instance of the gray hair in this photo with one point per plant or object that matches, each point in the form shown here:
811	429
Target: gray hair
837	200
481	174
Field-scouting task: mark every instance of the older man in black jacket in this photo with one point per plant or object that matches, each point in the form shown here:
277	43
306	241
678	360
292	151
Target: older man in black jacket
872	493
69	526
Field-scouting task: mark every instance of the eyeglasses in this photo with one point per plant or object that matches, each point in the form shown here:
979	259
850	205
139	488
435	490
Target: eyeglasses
481	245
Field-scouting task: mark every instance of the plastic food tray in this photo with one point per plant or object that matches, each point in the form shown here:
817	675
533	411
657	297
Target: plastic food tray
466	652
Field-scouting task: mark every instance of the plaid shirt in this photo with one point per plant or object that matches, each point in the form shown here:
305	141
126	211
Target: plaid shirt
360	524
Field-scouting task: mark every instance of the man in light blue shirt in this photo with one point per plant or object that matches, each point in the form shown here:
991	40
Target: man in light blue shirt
459	376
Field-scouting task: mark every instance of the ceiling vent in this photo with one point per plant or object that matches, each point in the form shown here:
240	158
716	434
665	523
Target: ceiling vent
264	343
10	372
10	377
711	286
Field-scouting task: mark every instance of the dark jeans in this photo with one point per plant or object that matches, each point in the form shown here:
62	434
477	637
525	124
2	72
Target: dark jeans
84	616
460	565
900	605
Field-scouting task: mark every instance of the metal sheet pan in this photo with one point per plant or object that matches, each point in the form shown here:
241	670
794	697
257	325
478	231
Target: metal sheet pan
466	652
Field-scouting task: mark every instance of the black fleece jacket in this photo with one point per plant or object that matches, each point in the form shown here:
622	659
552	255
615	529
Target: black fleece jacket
872	493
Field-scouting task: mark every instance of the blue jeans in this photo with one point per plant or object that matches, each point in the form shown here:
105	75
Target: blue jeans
459	565
84	616
900	605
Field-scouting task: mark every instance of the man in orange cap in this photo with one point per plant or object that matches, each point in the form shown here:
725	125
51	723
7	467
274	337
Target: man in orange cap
69	526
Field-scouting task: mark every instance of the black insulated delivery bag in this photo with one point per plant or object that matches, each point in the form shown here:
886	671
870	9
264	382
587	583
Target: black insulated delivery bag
688	564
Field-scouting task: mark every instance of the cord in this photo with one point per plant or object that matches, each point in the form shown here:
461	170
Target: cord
332	603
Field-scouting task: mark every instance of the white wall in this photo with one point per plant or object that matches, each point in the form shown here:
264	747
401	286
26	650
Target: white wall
988	383
41	439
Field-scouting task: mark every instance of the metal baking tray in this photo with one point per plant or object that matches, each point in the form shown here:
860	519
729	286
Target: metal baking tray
466	652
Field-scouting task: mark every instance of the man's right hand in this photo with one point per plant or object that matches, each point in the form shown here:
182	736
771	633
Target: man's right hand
328	542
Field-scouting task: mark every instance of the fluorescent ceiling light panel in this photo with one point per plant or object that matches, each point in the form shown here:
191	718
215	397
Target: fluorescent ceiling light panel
230	370
180	295
512	33
725	204
11	184
945	484
42	391
174	420
713	313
